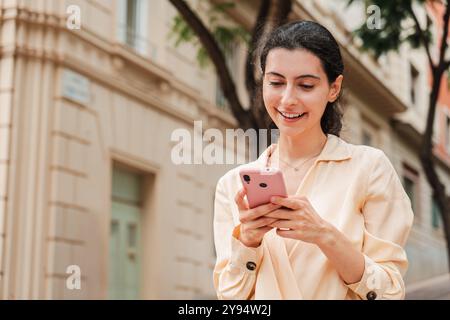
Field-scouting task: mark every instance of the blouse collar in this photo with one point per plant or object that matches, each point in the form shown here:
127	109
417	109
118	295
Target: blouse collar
335	149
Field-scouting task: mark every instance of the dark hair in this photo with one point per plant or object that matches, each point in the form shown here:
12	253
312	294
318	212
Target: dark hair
315	38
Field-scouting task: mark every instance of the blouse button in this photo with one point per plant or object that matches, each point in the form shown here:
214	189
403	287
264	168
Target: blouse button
371	295
251	265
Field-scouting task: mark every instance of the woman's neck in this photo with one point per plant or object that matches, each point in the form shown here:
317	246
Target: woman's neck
305	145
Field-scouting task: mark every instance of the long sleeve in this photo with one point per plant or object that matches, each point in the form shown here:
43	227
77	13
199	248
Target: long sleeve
236	267
388	218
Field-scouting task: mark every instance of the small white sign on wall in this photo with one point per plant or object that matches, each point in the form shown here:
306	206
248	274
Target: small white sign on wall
75	87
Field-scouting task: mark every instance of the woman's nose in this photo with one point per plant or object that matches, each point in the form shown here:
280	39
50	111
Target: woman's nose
289	96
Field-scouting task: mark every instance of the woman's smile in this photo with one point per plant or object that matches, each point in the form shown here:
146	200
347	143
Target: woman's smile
292	116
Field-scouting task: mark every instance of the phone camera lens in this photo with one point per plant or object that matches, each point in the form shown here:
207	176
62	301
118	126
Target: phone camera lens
263	185
246	178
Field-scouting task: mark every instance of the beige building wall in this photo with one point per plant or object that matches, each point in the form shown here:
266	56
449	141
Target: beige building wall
76	103
58	150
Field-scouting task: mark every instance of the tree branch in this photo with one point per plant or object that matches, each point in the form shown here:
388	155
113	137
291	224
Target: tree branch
422	37
426	149
283	9
278	13
258	31
218	59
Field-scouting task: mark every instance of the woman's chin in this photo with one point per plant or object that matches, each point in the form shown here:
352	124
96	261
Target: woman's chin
289	130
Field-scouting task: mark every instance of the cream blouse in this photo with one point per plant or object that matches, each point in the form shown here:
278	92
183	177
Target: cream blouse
355	188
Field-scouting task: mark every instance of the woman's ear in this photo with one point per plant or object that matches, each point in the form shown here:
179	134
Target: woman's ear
335	89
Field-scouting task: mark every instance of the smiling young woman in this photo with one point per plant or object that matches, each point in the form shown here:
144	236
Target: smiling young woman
340	233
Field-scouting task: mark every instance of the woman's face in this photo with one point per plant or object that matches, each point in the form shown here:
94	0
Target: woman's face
296	90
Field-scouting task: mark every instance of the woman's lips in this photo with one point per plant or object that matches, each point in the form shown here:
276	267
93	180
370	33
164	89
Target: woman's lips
292	116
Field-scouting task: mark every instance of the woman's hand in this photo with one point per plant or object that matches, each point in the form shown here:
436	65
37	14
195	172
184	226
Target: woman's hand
254	222
305	224
300	218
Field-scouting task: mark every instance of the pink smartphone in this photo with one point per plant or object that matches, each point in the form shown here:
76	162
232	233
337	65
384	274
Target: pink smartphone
262	184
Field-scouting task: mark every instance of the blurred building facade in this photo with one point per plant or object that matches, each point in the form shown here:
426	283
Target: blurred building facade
86	120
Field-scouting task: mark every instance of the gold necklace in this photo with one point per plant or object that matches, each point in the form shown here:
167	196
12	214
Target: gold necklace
297	168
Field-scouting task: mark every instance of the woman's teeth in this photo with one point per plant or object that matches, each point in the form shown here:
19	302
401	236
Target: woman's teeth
290	115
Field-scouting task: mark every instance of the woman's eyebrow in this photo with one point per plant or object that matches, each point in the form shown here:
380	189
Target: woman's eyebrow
299	77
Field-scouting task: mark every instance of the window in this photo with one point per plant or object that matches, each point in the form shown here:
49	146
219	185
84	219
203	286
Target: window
409	188
448	134
132	24
125	236
366	138
435	214
221	101
213	243
429	21
414	84
410	183
436	126
232	60
369	132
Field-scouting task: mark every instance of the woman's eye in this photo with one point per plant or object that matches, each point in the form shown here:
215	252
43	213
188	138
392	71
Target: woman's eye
276	84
